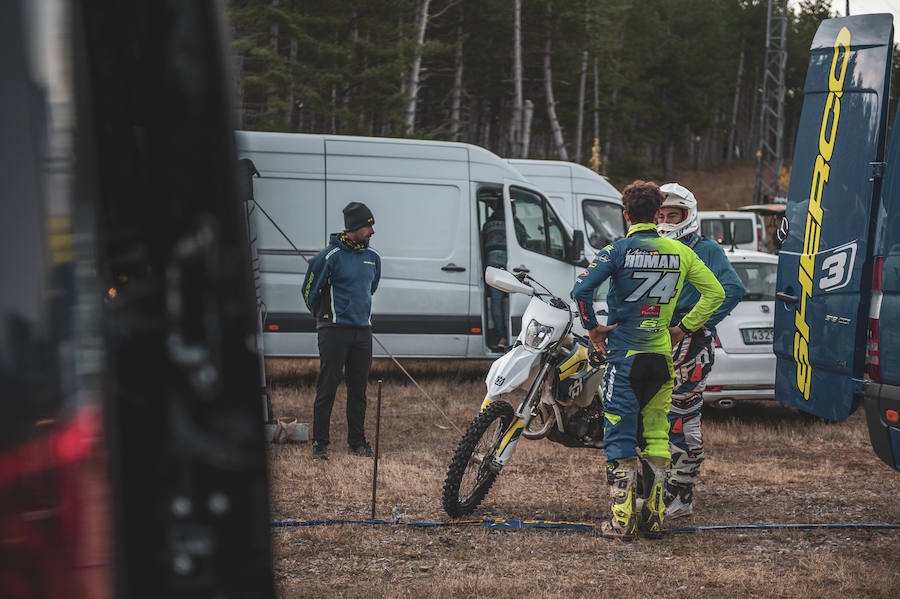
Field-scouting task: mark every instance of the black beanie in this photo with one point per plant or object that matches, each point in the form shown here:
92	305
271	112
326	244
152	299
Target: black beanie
356	216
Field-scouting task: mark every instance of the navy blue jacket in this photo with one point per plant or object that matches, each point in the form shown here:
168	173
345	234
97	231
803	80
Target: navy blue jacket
713	256
339	284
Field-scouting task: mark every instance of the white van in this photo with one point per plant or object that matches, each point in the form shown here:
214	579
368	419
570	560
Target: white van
430	200
582	197
747	227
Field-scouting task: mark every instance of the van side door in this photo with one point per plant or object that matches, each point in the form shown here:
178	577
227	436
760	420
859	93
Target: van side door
824	266
536	242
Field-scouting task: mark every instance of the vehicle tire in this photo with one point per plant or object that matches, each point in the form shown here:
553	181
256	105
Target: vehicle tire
471	475
541	423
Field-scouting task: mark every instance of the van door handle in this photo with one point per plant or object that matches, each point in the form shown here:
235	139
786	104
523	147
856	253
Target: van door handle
788	299
453	268
521	269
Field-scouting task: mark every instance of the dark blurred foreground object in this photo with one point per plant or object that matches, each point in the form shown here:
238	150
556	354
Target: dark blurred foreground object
132	458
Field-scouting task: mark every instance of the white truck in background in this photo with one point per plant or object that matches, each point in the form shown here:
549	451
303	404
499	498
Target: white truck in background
744	230
585	199
430	200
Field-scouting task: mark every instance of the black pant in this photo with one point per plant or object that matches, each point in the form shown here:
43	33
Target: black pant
342	348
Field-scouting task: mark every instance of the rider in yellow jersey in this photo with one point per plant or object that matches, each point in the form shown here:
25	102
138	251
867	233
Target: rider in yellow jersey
648	272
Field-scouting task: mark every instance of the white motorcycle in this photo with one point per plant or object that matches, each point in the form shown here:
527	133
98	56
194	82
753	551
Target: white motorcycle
562	403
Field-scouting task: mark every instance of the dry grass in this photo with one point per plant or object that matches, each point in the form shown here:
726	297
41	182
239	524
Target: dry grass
719	188
723	188
765	464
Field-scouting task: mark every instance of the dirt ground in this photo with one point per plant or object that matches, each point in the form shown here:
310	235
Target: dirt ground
723	188
765	464
718	188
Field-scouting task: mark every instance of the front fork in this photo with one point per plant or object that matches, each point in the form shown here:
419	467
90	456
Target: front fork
512	434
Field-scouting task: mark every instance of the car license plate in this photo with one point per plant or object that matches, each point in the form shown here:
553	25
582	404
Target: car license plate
758	336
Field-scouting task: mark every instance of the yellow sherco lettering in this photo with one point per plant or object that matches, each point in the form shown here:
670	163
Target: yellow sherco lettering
813	232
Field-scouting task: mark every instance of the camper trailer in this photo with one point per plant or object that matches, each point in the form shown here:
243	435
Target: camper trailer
430	200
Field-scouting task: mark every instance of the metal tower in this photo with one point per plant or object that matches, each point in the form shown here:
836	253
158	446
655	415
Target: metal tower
771	118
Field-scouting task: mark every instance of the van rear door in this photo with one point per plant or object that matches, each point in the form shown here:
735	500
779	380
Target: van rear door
289	215
824	266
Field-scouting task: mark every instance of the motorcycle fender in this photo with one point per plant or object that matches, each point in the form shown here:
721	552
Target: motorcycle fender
590	386
511	370
560	418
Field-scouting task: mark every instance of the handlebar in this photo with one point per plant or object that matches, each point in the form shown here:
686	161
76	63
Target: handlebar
531	281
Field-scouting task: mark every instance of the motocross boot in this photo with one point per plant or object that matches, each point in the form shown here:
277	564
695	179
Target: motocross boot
679	499
621	476
651	485
679	494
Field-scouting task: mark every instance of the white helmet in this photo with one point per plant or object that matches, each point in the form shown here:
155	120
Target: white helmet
677	196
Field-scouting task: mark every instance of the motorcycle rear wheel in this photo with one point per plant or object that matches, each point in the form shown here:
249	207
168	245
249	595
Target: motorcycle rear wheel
472	471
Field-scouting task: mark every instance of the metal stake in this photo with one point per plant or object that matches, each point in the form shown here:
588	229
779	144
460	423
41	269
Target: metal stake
377	438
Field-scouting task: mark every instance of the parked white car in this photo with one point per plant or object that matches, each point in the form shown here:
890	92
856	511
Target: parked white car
745	362
743	230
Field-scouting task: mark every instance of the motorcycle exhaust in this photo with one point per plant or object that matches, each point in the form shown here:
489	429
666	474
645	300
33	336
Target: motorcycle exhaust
724	403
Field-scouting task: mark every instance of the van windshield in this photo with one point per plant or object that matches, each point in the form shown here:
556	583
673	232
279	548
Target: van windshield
603	222
759	278
719	229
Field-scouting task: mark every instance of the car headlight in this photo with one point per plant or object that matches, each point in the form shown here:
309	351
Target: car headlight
537	335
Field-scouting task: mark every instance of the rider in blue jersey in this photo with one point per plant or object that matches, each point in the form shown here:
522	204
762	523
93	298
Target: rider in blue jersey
694	356
648	273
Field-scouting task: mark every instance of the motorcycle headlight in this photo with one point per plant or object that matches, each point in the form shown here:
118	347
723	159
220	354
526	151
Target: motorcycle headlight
537	335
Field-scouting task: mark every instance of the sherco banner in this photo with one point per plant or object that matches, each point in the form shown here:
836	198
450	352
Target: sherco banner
824	266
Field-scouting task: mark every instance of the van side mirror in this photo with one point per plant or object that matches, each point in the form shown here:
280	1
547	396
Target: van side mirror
575	251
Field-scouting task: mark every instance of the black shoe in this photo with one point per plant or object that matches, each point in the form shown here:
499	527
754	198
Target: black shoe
362	449
320	451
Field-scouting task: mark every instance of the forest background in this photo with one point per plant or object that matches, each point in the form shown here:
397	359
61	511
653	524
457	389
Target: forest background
659	84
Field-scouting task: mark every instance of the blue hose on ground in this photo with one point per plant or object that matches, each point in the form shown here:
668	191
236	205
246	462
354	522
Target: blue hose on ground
583	526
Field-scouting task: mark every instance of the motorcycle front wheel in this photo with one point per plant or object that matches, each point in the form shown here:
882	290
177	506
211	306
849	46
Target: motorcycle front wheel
472	470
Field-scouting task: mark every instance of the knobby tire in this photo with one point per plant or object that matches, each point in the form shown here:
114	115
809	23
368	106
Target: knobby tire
491	422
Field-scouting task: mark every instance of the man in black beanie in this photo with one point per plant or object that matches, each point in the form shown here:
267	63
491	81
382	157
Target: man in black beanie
338	289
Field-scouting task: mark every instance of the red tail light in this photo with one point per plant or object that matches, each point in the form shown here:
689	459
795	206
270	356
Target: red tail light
717	342
714	387
873	355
